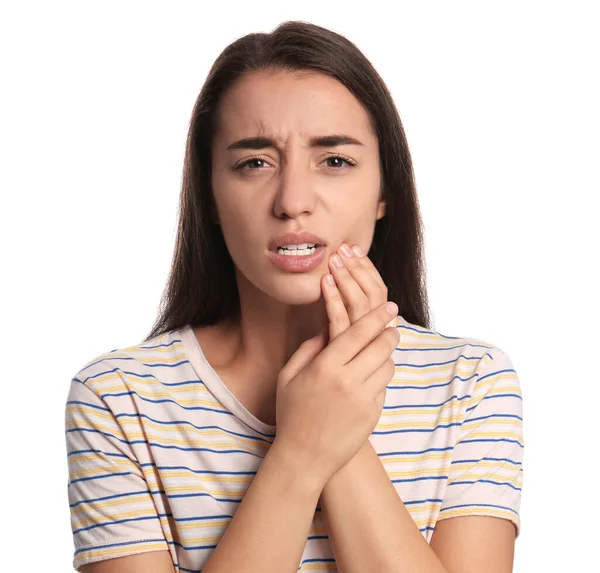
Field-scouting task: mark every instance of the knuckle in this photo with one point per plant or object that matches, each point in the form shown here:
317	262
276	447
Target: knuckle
336	298
392	366
360	333
319	366
342	383
338	318
393	334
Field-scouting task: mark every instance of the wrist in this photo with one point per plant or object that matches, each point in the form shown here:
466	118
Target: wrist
295	470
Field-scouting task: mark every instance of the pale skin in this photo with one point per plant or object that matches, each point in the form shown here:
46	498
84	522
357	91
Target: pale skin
297	187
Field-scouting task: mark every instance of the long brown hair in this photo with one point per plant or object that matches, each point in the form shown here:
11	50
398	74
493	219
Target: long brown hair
202	288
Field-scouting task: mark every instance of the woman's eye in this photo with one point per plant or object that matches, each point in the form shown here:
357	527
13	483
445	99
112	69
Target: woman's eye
340	159
257	163
250	161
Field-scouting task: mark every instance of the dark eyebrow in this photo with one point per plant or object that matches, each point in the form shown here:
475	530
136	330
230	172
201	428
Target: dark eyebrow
320	141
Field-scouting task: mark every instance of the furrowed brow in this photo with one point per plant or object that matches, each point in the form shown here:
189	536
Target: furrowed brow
319	141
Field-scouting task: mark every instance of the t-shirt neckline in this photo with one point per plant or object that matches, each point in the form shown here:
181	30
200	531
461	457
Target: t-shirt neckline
211	380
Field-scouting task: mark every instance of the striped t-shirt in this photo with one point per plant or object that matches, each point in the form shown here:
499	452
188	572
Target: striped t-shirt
160	452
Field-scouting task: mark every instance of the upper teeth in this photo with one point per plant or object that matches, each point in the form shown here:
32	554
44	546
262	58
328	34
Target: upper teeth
301	246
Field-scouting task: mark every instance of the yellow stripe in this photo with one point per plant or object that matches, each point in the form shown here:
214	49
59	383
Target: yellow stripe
178	428
96	383
148	512
508	435
459	366
253	446
125	549
493	421
402	411
96	471
494	476
455	368
145	423
428	381
83	424
406	333
119	501
483	463
447	419
477	510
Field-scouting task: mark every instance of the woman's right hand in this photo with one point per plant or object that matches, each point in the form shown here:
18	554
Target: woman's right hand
330	398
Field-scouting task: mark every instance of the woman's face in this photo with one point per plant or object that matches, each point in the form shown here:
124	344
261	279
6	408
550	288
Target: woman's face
289	185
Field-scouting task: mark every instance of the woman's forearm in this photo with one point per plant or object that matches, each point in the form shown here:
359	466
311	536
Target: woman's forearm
269	530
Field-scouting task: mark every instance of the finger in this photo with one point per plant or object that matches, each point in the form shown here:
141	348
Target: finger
336	310
373	361
356	300
352	340
368	265
378	382
368	279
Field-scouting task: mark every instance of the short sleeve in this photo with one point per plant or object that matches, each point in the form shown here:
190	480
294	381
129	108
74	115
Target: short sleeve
486	473
111	506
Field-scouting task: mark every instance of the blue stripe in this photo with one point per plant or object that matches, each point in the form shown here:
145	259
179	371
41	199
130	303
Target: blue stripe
440	405
444	348
491	459
428	430
496	373
503	396
418	479
491	440
479	505
415	452
225	412
494	416
165	447
90	501
204	472
453	361
203	518
166	345
74	452
484	481
88	404
98	477
417	430
406	387
419	501
107	523
186	423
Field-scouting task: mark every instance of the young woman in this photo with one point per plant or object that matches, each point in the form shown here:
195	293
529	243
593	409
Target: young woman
279	417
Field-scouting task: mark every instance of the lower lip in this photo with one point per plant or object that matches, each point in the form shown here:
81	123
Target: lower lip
298	263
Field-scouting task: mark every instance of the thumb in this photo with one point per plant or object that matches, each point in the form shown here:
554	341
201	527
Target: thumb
306	352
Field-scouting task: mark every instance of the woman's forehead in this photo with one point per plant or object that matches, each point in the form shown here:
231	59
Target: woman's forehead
288	108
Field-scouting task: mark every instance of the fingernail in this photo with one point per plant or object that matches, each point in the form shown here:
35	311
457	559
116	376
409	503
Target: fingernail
392	308
357	251
329	279
346	250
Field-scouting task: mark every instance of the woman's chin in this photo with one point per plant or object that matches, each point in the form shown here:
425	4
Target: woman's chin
300	295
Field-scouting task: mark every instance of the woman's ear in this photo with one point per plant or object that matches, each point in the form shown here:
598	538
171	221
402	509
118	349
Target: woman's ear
381	209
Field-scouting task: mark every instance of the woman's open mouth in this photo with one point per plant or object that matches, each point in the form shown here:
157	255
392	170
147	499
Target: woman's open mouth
298	260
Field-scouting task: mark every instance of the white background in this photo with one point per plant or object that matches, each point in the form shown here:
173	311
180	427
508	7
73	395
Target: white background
500	106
